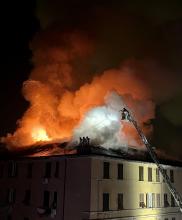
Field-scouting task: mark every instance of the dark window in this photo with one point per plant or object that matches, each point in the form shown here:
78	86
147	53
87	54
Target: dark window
12	169
172	176
29	170
166	203
27	198
54	204
173	218
57	170
120	201
120	171
105	201
140	173
11	196
157	175
1	170
165	171
48	170
172	201
106	170
46	199
149	174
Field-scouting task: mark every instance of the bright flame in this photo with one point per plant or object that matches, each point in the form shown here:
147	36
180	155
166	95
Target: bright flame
40	134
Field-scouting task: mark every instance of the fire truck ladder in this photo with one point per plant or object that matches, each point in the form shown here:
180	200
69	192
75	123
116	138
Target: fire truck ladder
125	115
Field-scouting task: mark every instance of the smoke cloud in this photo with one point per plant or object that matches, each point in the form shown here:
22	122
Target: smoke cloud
89	60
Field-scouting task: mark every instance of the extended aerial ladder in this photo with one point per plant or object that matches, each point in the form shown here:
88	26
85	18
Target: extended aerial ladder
125	115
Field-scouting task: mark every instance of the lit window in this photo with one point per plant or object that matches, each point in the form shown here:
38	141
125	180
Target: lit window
106	170
149	174
120	201
153	200
120	171
105	201
140	173
149	200
158	200
157	175
141	200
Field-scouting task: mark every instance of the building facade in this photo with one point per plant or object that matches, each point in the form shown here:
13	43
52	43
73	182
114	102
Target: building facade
82	187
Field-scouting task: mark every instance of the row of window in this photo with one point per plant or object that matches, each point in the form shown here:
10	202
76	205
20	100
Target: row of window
152	201
106	173
13	170
11	198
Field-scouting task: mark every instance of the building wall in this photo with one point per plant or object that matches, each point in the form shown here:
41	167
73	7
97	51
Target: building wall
80	186
72	186
130	187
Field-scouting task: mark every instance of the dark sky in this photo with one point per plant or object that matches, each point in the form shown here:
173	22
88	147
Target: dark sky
147	34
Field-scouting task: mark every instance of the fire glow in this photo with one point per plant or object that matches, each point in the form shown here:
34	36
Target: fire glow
57	111
39	134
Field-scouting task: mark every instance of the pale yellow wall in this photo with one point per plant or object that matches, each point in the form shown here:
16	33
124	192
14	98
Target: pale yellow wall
130	186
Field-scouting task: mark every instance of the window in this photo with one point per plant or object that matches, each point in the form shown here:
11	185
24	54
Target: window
172	176
153	200
46	199
12	169
166	219
149	174
48	170
173	218
54	204
141	200
11	196
29	170
172	201
105	201
120	171
166	203
140	173
120	201
149	200
106	170
27	197
157	175
165	171
57	170
158	200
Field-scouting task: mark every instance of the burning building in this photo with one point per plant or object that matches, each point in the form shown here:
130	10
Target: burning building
87	183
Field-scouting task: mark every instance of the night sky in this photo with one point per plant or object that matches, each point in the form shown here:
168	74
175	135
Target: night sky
145	34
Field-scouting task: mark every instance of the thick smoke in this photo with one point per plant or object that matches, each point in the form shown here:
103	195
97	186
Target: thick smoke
123	54
61	108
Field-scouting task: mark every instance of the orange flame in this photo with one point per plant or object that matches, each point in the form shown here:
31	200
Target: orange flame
58	108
